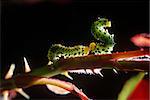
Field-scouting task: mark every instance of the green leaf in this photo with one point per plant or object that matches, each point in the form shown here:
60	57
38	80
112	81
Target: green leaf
130	85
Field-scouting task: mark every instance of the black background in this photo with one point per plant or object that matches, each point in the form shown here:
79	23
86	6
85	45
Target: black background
29	30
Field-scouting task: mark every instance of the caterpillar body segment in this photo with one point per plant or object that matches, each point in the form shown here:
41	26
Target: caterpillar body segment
57	50
100	32
102	49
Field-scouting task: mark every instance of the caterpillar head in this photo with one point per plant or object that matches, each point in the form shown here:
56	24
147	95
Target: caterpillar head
103	22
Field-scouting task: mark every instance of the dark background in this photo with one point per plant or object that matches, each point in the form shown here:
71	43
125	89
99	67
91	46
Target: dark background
29	28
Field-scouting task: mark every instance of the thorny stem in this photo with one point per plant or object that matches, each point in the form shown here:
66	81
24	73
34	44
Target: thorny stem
107	61
85	62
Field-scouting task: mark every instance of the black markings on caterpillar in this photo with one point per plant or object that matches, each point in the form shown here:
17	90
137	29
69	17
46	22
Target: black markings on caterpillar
58	50
100	32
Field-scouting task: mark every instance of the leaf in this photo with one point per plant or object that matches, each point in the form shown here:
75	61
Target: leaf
130	85
141	92
57	90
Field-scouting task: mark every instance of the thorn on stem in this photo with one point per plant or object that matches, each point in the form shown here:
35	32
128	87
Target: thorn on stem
115	70
27	67
5	95
20	90
10	71
67	75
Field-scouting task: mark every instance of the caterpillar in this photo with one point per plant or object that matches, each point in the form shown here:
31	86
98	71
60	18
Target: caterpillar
104	45
57	50
105	40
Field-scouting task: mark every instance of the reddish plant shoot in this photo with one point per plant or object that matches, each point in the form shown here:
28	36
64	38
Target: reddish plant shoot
141	40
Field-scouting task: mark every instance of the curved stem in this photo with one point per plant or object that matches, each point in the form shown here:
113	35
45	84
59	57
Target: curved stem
85	62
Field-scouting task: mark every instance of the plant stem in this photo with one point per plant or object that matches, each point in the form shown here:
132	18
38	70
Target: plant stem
85	62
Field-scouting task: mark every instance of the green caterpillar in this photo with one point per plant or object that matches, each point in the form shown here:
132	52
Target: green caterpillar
104	46
57	50
100	32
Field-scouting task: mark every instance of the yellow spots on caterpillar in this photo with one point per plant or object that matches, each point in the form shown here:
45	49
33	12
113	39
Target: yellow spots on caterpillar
86	50
108	24
92	46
